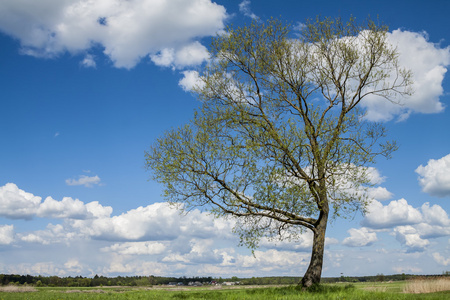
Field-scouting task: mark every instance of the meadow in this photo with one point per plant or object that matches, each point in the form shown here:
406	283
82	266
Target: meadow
415	289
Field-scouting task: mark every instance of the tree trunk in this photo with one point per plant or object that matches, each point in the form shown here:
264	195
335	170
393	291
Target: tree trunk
314	272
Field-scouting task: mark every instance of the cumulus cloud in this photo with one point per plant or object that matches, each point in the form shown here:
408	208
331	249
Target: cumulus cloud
303	242
202	251
428	231
157	221
127	30
66	208
379	193
51	235
360	237
273	260
192	54
435	215
190	81
411	226
375	178
429	63
410	237
435	177
87	181
394	214
6	234
18	204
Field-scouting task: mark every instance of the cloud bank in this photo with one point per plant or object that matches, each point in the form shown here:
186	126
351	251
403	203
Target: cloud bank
156	238
127	31
412	227
435	177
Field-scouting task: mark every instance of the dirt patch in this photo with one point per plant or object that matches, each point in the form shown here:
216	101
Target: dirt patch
17	289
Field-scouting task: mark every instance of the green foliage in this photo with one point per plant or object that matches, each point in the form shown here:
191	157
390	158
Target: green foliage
280	136
280	140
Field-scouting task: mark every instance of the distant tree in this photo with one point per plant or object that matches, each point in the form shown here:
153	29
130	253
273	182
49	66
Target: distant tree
280	141
380	277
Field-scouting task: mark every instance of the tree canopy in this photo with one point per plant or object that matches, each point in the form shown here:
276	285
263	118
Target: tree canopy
280	142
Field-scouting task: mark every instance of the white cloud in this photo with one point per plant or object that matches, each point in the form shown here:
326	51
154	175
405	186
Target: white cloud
410	237
273	261
428	231
395	213
163	58
190	55
440	259
429	63
244	8
136	248
201	252
51	235
303	243
16	203
67	208
119	266
435	215
190	80
407	270
157	240
98	211
379	193
127	30
360	237
47	268
87	181
6	234
73	266
435	177
374	175
88	61
412	227
157	221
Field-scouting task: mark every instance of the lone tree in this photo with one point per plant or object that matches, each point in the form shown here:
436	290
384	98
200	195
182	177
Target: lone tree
280	142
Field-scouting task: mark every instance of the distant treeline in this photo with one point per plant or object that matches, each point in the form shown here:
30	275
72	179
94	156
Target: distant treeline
79	281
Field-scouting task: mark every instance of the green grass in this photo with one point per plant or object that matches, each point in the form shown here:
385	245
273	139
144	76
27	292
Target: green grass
329	291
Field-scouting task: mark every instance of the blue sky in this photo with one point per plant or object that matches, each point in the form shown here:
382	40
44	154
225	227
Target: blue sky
87	86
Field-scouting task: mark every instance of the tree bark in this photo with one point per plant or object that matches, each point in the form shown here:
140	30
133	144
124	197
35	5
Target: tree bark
314	272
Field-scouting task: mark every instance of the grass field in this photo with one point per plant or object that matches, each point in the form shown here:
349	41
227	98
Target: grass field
383	290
